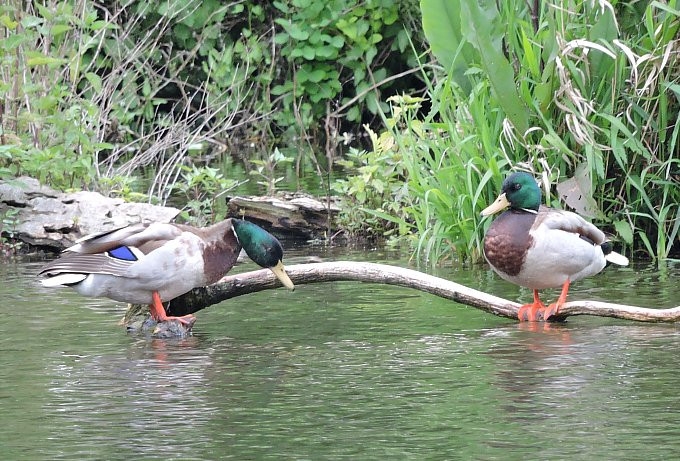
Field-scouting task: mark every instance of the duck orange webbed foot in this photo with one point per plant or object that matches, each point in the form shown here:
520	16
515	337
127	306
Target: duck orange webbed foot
554	308
549	311
186	320
158	313
528	311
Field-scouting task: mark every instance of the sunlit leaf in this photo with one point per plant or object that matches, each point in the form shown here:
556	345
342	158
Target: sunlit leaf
59	29
38	60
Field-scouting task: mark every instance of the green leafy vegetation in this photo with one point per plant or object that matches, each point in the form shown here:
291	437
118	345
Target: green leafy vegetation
201	188
119	97
547	90
375	195
265	170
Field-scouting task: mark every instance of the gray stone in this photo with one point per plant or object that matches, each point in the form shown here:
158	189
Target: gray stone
12	195
48	218
30	187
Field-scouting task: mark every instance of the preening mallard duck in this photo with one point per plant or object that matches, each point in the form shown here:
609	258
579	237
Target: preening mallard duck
151	263
539	247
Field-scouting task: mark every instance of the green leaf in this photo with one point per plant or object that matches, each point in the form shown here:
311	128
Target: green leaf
45	12
281	38
530	57
359	74
181	31
9	23
442	27
353	114
402	40
38	59
478	28
326	52
372	103
46	102
59	29
13	41
27	21
98	25
317	75
297	33
302	76
348	28
337	42
603	31
371	52
308	53
632	142
666	8
648	245
163	8
293	29
316	37
282	89
281	6
637	183
95	80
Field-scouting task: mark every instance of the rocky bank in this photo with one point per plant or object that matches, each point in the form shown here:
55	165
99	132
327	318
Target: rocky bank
54	220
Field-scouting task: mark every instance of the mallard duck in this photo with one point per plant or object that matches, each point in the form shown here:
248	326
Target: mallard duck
539	247
152	263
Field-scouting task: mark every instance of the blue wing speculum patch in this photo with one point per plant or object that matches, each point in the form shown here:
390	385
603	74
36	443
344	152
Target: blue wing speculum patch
123	253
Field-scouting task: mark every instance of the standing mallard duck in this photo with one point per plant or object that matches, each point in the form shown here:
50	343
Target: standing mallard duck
148	263
539	247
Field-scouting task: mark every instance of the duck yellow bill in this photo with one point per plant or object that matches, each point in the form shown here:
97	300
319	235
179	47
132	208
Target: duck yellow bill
280	273
500	204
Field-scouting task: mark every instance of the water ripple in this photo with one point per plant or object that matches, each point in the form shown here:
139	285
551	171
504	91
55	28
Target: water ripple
340	371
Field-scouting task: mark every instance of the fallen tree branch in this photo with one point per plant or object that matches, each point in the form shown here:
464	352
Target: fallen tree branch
250	282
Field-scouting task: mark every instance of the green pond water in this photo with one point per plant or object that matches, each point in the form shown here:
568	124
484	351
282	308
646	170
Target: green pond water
341	371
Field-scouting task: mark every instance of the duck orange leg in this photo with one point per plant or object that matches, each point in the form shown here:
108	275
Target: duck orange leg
159	315
528	311
554	308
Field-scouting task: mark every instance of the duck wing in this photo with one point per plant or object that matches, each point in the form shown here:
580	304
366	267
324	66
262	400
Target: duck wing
566	221
146	237
112	252
75	263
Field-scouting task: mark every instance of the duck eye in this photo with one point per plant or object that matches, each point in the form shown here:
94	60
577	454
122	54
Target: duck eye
517	186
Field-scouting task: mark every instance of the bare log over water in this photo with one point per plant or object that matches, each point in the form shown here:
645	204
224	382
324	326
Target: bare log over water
232	286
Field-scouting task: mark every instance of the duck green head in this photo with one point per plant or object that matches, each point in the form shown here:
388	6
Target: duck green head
263	248
519	192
